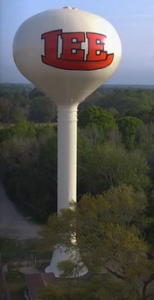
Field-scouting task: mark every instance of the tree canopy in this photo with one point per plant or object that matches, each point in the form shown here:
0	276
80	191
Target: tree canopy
95	116
110	240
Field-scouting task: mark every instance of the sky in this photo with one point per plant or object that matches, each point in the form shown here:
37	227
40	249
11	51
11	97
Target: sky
133	20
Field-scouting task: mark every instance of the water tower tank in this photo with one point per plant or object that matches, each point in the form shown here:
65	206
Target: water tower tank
67	53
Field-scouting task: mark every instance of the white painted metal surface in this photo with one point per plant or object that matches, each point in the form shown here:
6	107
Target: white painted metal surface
67	154
62	85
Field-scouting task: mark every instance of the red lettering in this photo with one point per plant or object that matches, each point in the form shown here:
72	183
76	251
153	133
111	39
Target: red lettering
72	46
51	46
96	47
72	56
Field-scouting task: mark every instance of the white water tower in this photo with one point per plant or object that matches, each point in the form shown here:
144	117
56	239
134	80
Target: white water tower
66	53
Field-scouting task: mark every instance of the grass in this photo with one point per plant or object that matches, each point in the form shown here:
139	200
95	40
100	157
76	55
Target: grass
15	250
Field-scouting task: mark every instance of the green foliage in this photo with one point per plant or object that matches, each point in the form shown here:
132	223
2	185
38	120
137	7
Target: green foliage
28	152
18	116
128	101
35	93
110	242
150	160
28	160
129	128
5	109
42	110
52	292
107	165
23	129
95	289
26	173
12	250
31	104
95	116
146	138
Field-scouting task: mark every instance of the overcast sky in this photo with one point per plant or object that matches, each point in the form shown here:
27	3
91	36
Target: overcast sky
133	20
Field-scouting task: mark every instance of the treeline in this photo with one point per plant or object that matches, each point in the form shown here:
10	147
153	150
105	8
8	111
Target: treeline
22	102
114	147
19	102
124	102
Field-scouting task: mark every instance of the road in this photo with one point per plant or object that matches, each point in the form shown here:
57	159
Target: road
12	223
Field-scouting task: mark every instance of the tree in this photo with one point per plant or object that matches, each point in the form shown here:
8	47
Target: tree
42	110
128	101
151	117
103	166
111	243
18	115
28	162
129	128
5	111
145	137
35	93
150	160
96	117
28	169
52	292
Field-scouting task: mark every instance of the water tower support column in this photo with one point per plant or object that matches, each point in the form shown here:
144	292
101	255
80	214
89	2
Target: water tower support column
67	155
67	178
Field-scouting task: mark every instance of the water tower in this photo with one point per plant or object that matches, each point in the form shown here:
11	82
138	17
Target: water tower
67	53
